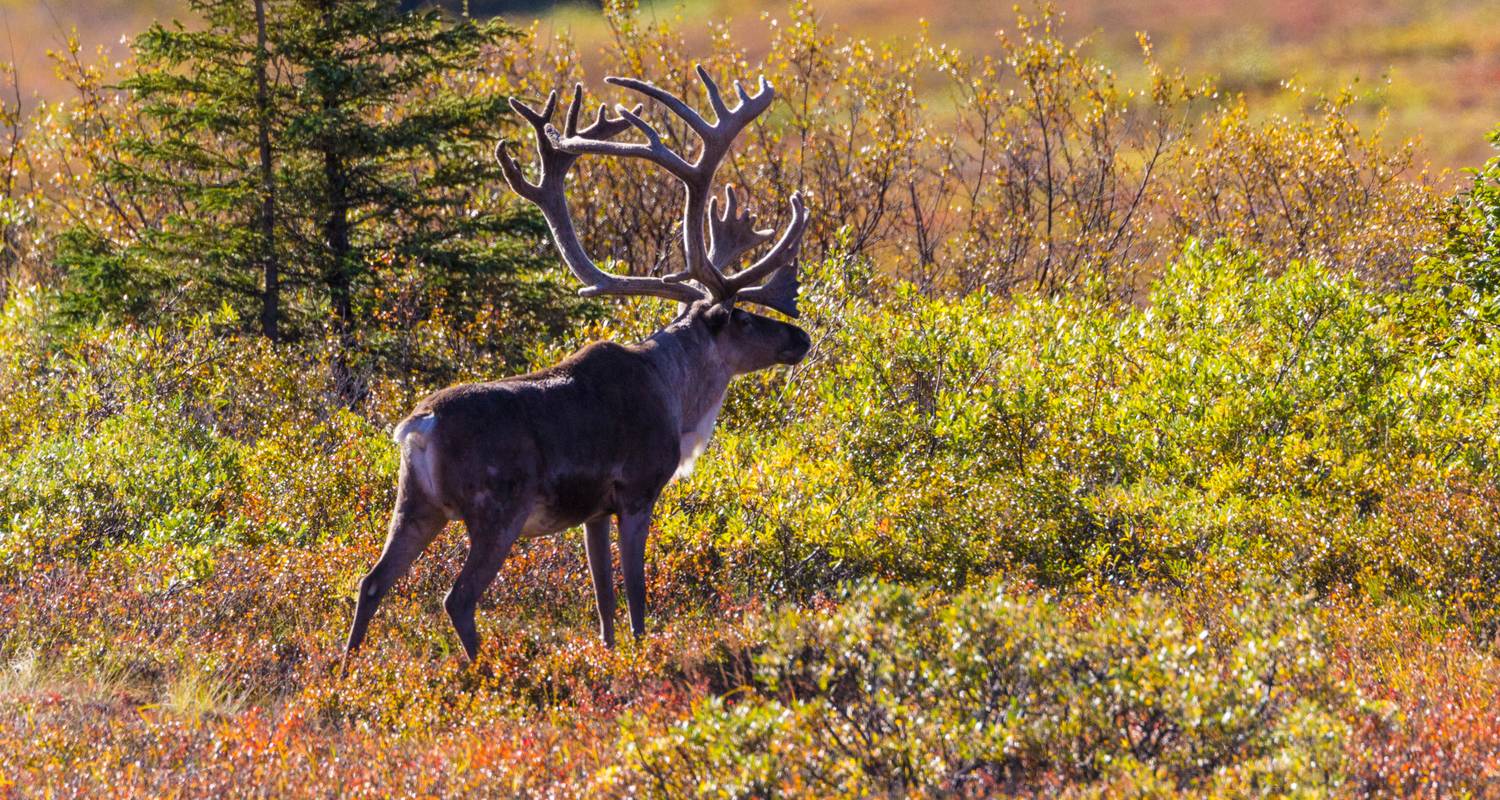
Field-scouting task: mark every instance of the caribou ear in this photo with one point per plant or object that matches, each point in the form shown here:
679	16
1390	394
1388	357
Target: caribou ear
717	316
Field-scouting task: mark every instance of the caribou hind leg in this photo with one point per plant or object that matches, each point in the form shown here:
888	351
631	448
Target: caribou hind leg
596	541
491	536
414	524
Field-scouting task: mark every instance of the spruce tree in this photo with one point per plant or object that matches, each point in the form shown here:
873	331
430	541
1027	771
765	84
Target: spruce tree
381	159
309	149
203	98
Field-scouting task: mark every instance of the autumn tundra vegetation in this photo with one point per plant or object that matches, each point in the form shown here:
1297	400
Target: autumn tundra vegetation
1146	444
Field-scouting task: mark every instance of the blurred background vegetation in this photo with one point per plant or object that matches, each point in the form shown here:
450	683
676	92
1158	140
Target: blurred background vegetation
1148	445
1428	64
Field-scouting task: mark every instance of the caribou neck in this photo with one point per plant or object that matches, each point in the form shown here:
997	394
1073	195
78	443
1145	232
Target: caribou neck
695	374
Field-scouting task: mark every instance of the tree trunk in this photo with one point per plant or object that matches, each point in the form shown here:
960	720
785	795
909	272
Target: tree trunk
339	276
336	239
270	309
336	222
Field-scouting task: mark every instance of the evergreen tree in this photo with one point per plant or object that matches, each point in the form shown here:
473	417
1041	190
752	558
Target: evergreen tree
308	150
195	159
381	158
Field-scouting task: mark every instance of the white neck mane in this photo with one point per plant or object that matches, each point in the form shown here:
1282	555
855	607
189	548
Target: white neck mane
702	378
695	438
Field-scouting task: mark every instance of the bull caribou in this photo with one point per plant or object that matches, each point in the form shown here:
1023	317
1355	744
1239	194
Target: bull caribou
600	434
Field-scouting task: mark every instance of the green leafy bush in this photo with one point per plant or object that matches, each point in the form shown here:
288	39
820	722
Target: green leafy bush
1284	423
149	438
903	694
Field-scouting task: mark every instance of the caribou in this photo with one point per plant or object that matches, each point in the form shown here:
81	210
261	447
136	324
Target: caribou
599	435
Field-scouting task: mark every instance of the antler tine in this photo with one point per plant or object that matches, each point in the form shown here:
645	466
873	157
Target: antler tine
652	149
728	122
603	127
733	234
694	120
508	166
570	120
782	258
538	119
712	89
549	196
733	120
779	293
730	235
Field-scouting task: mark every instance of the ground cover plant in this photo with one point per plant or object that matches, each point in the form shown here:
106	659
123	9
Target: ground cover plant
1194	493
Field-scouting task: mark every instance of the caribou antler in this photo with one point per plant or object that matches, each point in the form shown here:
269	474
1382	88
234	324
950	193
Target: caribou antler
548	195
729	237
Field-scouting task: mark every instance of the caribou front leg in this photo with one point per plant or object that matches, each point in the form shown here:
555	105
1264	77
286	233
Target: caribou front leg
633	529
601	569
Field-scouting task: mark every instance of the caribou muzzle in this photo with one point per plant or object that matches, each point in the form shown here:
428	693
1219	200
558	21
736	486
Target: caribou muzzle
794	352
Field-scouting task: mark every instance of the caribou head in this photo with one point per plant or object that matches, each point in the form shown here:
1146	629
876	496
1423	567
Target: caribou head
598	435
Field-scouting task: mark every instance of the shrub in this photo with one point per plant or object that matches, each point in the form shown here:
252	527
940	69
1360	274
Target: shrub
1283	423
1307	187
1032	166
127	437
900	694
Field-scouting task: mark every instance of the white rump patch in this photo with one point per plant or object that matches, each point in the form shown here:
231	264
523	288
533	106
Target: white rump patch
414	434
